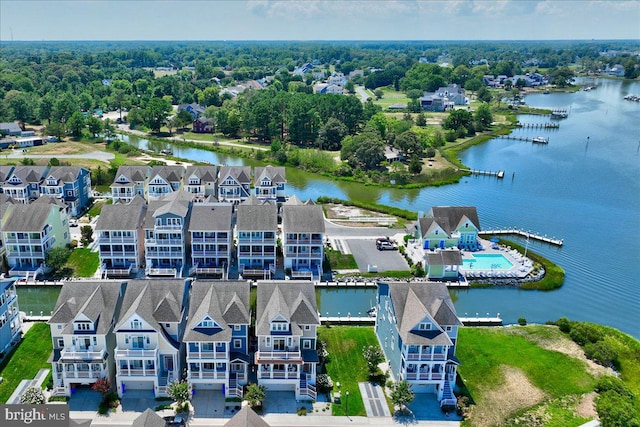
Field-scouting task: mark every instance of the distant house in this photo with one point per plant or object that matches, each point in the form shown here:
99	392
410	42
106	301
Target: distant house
269	183
23	184
82	333
164	180
449	227
303	238
204	125
10	129
617	71
196	110
148	353
337	79
217	336
392	154
121	238
234	183
10	323
201	180
286	329
326	88
304	69
454	93
417	327
443	265
129	182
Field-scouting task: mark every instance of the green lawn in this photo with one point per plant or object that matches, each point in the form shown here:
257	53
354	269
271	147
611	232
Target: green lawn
346	363
27	359
83	262
340	261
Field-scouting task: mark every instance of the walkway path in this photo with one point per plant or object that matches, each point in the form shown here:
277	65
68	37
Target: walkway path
25	384
374	401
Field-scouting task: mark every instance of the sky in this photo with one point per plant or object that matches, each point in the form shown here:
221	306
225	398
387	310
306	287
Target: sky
318	19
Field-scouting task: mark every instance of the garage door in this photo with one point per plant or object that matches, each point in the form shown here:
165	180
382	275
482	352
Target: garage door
204	386
281	387
137	385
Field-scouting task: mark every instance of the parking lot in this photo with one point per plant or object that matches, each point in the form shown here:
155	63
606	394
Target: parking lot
366	253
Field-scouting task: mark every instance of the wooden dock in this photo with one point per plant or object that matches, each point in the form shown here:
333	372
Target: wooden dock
349	284
481	321
526	234
497	174
552	125
524	138
347	319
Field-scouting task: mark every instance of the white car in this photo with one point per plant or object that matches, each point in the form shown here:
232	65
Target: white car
73	223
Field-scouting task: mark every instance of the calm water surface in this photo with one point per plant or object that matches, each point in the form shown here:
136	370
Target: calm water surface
583	187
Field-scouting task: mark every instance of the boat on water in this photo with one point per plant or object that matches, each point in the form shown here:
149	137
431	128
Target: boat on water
372	312
540	140
166	152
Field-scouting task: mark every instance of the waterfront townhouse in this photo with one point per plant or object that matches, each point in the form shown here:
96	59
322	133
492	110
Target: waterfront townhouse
417	326
149	333
5	173
269	183
10	323
6	204
216	336
201	181
30	231
211	235
257	226
121	238
82	333
286	328
23	183
164	180
165	232
129	181
234	183
449	226
303	238
70	184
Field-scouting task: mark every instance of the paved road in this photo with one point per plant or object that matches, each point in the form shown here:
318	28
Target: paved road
343	231
364	96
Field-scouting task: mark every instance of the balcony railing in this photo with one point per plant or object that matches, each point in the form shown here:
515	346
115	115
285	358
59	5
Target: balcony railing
208	375
211	240
279	375
82	355
164	271
316	241
28	241
279	355
117	271
124	372
136	353
119	254
105	240
167	226
162	242
209	254
207	355
425	376
426	356
83	374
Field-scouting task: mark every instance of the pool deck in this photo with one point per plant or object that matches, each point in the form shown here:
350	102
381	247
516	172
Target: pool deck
521	266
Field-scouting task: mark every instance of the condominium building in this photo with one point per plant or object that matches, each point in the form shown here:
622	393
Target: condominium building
10	323
164	180
211	235
130	181
23	183
257	226
71	184
234	183
269	183
303	238
201	181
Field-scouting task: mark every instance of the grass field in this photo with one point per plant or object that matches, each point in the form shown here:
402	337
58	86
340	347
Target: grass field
507	370
340	261
28	358
346	364
83	262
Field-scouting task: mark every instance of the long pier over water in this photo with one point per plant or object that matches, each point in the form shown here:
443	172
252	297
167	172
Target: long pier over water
527	234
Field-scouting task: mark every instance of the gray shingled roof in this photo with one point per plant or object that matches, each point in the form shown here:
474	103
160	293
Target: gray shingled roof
302	219
154	300
64	173
227	303
210	218
204	173
275	173
449	217
246	417
172	173
132	173
122	216
177	202
257	215
149	419
29	174
242	174
96	300
448	257
5	203
296	301
5	172
28	218
412	302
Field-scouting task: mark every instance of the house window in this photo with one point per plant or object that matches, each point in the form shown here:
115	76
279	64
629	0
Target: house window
306	344
60	342
136	324
279	326
424	326
237	343
307	327
83	326
267	341
237	327
448	328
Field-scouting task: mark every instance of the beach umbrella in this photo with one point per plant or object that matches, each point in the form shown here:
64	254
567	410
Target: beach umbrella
495	239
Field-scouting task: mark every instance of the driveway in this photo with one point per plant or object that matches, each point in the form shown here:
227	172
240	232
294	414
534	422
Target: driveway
366	253
208	404
374	401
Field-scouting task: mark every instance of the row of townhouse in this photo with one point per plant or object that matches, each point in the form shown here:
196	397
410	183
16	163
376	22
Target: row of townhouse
225	183
144	334
30	231
69	184
10	322
174	236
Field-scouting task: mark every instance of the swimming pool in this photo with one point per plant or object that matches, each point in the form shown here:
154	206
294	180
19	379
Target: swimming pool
487	262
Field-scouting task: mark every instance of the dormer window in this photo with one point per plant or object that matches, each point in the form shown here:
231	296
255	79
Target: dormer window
136	324
279	326
83	326
424	326
208	322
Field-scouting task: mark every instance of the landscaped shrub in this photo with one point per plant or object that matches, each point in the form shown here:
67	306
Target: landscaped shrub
522	321
302	411
564	324
324	383
602	352
33	396
615	410
609	383
583	333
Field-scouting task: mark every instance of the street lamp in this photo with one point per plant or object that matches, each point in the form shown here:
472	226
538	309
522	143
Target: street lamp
346	409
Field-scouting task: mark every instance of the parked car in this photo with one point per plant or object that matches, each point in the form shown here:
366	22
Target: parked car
73	223
385	244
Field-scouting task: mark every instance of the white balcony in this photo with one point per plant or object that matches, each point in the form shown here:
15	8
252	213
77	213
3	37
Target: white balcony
265	356
124	353
82	355
105	240
163	242
425	356
125	372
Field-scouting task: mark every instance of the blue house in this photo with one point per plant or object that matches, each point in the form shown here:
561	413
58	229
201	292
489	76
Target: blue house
9	316
70	184
216	336
417	326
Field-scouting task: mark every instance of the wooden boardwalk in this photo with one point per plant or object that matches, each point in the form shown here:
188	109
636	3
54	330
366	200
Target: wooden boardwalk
527	234
538	140
497	174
